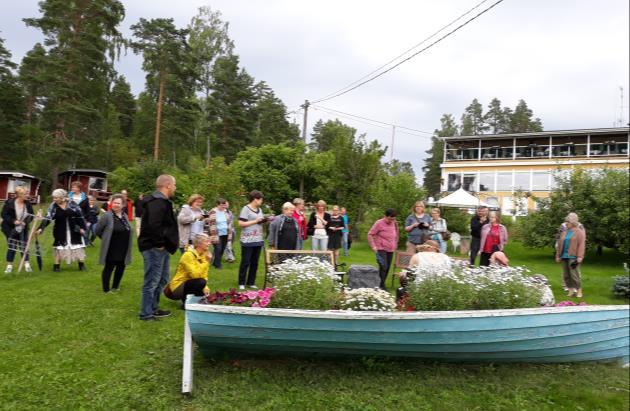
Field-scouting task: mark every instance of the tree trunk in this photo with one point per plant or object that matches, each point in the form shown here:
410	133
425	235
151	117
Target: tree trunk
600	250
158	120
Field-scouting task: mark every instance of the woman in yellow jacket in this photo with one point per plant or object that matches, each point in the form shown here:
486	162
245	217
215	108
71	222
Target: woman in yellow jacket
191	276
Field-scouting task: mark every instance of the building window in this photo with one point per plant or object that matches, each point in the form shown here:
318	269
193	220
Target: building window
532	148
610	145
496	149
507	206
462	150
15	183
486	182
470	182
521	181
504	181
540	181
454	181
97	183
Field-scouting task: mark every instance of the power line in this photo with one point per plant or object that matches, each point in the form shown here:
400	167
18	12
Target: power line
376	121
349	89
406	51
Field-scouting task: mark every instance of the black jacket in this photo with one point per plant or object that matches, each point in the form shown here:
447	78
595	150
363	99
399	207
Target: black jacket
9	216
476	225
312	221
159	226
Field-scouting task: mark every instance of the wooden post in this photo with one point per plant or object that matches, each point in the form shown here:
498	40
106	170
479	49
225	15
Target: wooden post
187	363
37	218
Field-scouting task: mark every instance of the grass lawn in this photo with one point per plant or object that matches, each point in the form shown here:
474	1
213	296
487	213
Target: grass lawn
66	345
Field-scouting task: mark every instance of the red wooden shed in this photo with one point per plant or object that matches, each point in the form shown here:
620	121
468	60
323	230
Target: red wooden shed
94	182
9	180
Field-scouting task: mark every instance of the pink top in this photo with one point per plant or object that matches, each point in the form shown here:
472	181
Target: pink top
384	235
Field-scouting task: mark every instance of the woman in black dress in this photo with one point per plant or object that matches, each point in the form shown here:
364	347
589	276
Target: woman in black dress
335	228
115	232
68	230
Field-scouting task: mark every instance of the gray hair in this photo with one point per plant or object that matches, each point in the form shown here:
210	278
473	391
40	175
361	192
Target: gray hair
60	193
199	238
287	205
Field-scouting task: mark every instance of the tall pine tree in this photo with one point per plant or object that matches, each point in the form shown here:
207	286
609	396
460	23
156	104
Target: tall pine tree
432	170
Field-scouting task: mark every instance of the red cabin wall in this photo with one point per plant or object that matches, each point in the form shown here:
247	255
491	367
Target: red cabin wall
4	185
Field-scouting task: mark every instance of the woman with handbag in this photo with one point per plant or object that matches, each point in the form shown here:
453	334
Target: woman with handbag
417	226
439	230
114	230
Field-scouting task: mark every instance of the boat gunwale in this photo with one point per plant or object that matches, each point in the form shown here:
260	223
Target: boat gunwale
409	315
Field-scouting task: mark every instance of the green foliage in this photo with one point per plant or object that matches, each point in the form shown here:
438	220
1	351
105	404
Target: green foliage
124	103
621	286
458	221
601	201
72	75
522	121
473	120
439	295
272	169
497	118
12	112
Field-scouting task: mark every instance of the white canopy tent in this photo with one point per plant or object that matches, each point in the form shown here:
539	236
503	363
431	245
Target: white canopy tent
460	199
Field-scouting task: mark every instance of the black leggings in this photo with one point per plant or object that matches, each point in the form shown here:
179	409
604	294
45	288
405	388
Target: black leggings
194	286
107	274
484	260
219	248
249	262
383	270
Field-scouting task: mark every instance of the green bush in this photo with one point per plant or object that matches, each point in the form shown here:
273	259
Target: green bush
621	286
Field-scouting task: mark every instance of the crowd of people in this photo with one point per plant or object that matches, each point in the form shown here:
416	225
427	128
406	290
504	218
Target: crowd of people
161	232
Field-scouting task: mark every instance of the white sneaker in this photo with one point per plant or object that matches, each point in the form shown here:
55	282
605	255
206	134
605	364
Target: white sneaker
253	287
240	287
27	268
9	269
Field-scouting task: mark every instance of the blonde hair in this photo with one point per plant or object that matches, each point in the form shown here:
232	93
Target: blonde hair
496	215
437	210
320	203
417	204
199	238
194	198
287	205
20	190
572	218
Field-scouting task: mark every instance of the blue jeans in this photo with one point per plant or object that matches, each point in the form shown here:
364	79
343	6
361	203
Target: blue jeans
300	243
344	243
156	275
441	242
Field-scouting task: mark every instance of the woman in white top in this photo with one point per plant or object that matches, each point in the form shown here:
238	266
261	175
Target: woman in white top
438	227
318	227
190	221
429	255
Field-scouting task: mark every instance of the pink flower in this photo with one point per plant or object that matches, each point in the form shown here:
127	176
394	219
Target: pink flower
255	305
251	295
263	302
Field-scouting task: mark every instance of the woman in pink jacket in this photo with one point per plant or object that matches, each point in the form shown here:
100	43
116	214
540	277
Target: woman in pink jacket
383	240
494	237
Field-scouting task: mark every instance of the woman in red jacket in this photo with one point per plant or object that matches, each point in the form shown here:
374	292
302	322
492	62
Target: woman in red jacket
494	237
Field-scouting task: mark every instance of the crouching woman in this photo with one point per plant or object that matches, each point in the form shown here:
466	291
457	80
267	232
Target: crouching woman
191	276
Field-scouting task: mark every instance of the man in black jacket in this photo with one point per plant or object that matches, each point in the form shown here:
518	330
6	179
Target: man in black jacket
158	240
478	221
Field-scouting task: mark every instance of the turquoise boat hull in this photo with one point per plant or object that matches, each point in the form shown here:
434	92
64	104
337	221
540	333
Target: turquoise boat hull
537	335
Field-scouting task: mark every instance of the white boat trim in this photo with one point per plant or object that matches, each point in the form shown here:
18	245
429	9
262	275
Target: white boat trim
413	315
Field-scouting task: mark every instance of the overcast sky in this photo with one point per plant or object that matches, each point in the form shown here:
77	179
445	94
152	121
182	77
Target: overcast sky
565	58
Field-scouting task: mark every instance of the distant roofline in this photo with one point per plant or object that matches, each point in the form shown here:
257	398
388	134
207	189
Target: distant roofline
544	133
82	170
18	174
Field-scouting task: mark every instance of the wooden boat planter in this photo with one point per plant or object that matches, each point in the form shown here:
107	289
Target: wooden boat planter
535	335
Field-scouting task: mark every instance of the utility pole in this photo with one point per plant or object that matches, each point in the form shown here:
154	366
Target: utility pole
391	155
304	126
